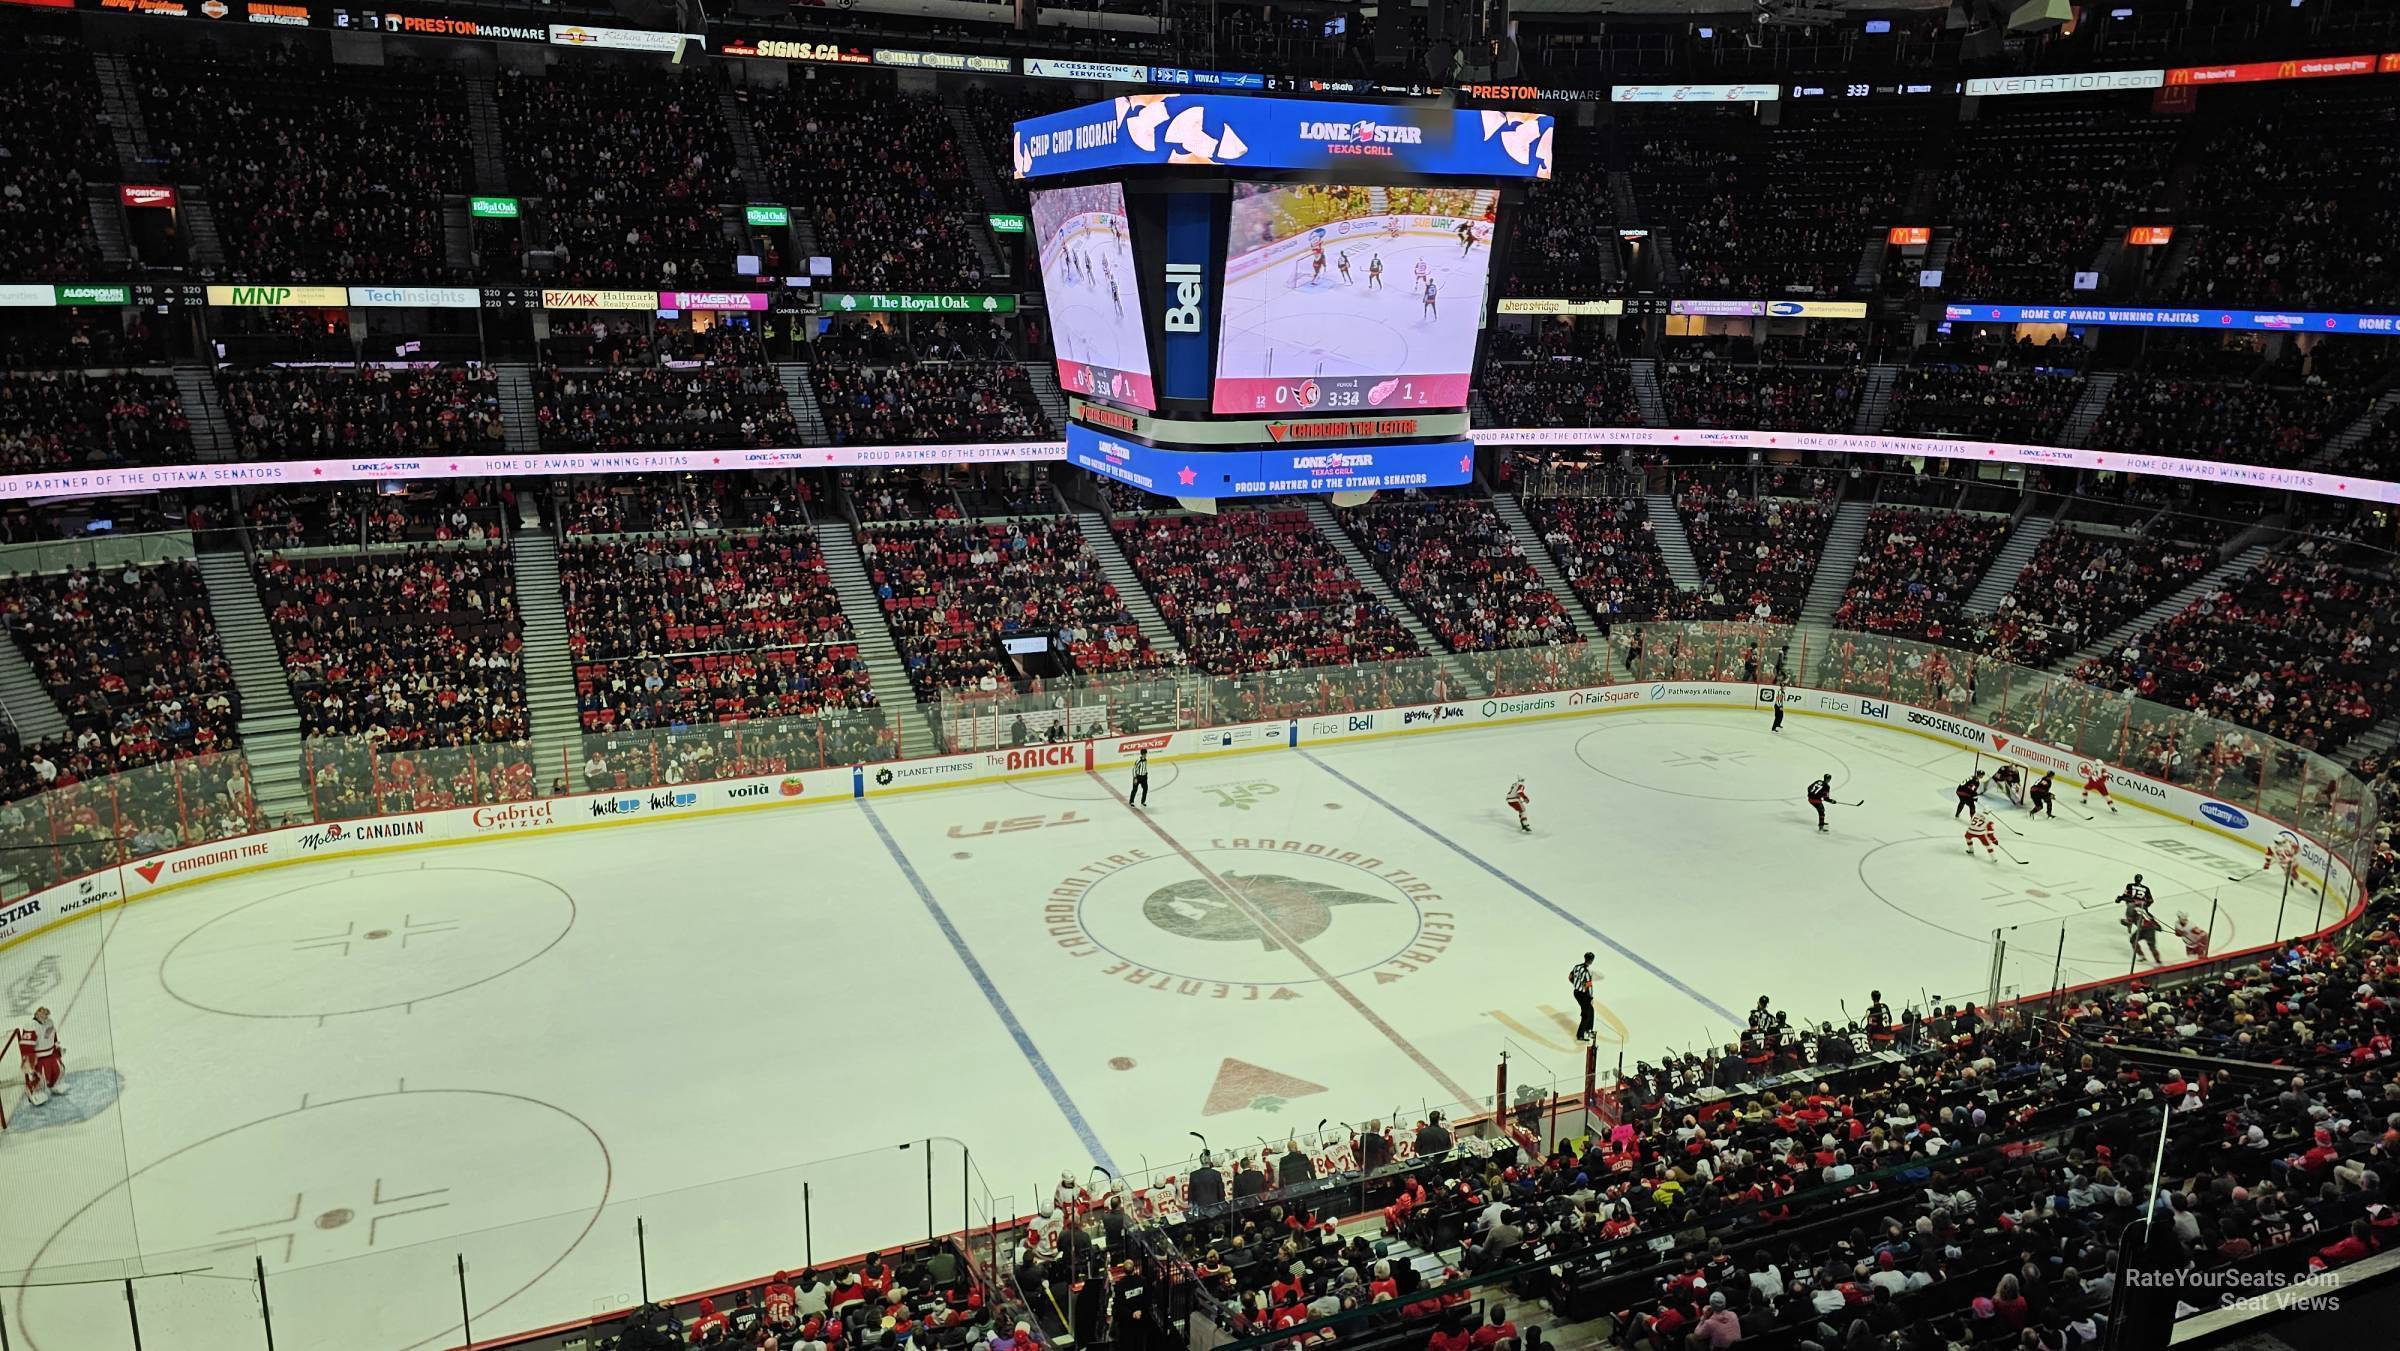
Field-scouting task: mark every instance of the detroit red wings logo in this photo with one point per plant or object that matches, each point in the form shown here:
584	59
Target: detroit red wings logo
1275	910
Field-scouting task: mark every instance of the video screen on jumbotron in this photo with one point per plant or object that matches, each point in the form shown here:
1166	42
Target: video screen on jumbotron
1345	297
1088	284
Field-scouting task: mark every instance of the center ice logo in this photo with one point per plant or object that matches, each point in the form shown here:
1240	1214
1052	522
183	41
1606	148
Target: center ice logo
1292	909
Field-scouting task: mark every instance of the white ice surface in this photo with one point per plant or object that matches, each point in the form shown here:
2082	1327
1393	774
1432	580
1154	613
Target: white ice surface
344	1068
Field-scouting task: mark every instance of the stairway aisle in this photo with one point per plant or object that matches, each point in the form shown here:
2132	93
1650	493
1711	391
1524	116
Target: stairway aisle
1320	514
1666	527
1837	563
270	724
1875	401
800	395
2084	418
1044	379
2342	442
518	420
549	662
1537	552
1120	574
197	387
2242	562
32	714
2023	540
919	735
1644	372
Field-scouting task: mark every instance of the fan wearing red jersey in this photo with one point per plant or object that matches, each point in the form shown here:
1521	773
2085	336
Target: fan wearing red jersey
1517	800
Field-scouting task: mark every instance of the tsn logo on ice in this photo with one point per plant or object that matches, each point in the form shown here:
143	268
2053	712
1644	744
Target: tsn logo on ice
1186	290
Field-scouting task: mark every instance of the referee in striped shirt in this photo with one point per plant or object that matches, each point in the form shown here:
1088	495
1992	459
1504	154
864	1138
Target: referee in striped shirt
1580	981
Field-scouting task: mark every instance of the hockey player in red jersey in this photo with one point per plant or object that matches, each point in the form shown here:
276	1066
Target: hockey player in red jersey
2285	854
1979	831
1517	800
2095	780
2195	938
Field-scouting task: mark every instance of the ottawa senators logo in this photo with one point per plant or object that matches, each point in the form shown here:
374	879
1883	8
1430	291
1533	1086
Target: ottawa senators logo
1291	909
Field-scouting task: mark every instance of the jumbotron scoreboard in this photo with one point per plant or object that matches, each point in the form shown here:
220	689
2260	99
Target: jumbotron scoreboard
1253	296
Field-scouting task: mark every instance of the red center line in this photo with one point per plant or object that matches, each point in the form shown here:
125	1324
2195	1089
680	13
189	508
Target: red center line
1288	944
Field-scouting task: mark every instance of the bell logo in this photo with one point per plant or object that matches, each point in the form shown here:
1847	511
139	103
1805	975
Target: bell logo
1185	289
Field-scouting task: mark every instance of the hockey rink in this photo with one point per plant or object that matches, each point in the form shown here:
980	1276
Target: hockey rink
513	1049
1283	321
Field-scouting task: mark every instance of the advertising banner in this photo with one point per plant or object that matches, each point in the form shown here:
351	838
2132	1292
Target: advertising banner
1005	223
1723	307
1252	431
101	294
912	60
492	208
2150	236
621	39
1908	235
1206	79
1524	305
1941	448
416	297
1191	294
779	49
1244	133
2080	82
146	194
579	299
281	297
1086	70
1695	93
2129	316
34	296
915	302
2254	72
713	300
437	26
1256	473
766	215
1817	309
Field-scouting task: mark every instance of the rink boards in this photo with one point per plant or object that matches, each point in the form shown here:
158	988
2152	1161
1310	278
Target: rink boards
98	891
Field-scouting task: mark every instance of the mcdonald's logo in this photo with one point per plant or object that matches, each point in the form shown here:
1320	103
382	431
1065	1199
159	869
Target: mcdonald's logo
2287	70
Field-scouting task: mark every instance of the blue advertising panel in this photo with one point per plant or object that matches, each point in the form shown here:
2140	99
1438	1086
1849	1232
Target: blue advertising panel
1192	295
1243	133
1206	79
1282	469
2125	316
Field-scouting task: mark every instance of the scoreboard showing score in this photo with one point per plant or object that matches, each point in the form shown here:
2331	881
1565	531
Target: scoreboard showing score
1095	301
1253	296
1341	297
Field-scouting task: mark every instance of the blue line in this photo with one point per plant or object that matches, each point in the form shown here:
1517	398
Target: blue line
983	980
1527	892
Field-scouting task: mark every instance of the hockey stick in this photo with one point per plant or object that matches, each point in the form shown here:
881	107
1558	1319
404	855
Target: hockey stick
2020	862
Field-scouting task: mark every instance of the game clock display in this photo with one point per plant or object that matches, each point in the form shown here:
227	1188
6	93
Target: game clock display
1341	298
